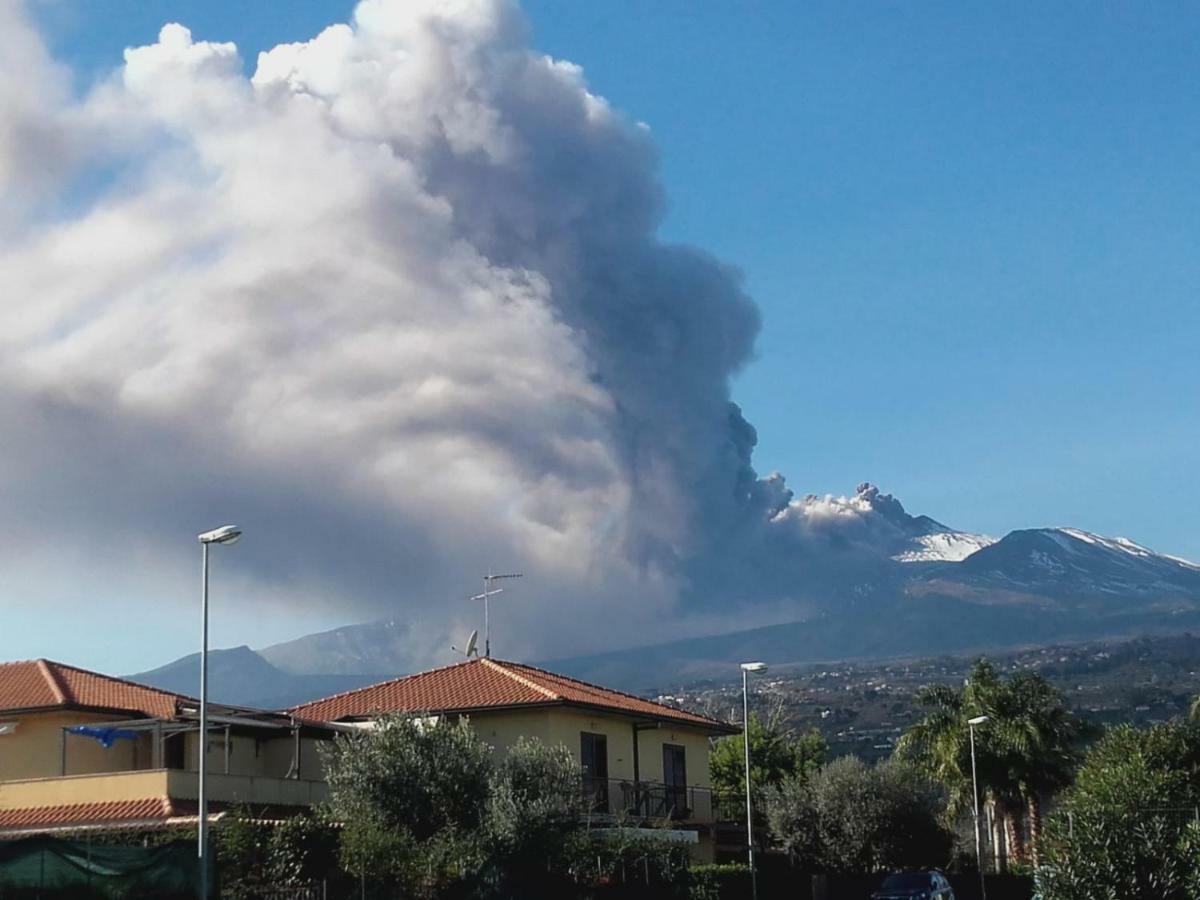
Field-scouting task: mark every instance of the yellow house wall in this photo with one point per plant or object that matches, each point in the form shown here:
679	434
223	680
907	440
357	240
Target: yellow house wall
248	789
77	789
564	725
567	724
695	753
270	757
501	730
34	750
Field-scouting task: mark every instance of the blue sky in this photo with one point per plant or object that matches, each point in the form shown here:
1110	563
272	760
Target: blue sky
971	229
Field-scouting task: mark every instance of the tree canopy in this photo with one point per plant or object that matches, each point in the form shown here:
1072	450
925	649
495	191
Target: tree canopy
1127	830
852	817
1028	748
775	754
422	802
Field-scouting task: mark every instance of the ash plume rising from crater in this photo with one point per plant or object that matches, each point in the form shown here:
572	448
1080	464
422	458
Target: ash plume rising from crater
395	302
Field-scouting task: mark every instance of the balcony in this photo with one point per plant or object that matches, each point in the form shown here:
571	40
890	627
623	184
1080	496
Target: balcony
174	783
643	800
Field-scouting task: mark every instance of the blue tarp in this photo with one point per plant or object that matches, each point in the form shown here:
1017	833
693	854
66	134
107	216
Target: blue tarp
106	736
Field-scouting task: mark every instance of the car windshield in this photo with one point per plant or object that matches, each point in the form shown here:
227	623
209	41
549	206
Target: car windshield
907	881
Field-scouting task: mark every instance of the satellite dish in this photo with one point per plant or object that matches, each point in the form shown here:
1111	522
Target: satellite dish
471	646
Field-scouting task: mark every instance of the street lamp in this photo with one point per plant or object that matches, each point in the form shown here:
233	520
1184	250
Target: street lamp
226	534
971	723
747	668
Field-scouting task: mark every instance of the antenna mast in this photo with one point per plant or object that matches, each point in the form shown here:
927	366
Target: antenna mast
488	591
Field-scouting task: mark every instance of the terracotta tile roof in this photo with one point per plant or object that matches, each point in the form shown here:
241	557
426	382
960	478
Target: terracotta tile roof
43	684
480	684
148	811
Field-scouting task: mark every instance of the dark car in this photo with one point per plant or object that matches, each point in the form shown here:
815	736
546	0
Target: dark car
915	886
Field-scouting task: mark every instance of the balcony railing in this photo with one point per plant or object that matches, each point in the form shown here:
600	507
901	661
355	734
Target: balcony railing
653	800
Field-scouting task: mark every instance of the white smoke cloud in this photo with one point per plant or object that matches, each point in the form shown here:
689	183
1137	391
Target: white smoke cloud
35	145
395	304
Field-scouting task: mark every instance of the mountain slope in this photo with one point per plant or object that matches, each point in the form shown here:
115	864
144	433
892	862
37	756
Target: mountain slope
240	677
1067	562
932	627
373	647
882	583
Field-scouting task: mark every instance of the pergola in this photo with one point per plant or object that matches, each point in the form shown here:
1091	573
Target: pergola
187	721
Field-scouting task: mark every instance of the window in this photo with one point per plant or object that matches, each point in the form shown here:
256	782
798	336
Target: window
593	754
675	779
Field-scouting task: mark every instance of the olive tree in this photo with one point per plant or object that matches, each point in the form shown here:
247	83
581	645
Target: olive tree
534	831
852	817
412	795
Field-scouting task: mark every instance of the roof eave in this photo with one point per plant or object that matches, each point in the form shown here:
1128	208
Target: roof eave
707	726
77	707
711	728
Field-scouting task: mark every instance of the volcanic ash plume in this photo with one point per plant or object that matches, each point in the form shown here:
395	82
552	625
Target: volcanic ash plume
396	304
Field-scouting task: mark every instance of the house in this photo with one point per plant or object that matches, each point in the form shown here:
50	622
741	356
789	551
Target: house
642	761
82	750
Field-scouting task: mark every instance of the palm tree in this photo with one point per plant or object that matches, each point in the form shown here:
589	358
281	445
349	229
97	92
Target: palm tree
1040	742
1026	750
940	743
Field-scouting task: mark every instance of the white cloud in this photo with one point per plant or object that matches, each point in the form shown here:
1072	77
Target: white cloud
403	283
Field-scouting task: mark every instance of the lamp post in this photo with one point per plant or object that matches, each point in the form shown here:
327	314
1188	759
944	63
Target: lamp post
226	534
747	668
971	723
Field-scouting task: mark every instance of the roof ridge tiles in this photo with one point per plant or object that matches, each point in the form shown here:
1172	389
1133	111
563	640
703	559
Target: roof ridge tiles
52	681
117	679
521	679
45	683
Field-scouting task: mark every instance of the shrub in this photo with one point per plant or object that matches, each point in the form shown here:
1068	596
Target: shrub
851	817
718	882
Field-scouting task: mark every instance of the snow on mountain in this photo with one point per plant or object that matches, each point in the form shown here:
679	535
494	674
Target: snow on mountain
928	588
1078	562
1123	545
944	546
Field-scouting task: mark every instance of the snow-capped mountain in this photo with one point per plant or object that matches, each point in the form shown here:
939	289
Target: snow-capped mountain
1068	561
943	546
880	582
879	523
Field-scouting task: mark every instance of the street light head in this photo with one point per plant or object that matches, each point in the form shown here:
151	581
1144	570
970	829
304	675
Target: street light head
754	667
978	720
226	534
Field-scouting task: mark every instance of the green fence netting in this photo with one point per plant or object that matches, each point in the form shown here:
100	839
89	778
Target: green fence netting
49	867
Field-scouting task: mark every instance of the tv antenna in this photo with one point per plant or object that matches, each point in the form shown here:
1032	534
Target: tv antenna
488	591
472	648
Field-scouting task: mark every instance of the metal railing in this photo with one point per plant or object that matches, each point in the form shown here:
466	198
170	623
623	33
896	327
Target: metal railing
655	800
